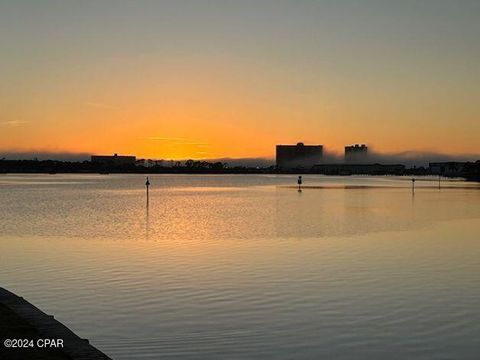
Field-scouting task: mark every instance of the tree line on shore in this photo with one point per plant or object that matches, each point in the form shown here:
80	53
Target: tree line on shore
471	170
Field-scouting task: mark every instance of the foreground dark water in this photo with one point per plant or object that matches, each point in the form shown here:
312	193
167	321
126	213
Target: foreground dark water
246	267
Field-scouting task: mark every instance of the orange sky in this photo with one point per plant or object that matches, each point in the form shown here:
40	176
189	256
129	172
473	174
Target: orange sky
221	82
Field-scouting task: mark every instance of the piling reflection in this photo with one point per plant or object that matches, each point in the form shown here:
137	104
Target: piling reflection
147	221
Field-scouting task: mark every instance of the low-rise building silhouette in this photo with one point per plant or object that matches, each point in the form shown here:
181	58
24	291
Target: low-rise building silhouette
359	169
447	168
298	156
114	160
356	154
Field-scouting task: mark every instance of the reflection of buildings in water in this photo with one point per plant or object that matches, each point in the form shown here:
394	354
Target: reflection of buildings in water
341	212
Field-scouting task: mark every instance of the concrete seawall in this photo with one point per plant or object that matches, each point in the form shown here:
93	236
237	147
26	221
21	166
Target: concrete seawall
19	319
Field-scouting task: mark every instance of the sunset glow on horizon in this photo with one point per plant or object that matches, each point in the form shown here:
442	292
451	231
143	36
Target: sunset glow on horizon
214	79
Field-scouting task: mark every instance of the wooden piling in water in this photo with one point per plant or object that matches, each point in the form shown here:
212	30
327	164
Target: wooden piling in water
147	185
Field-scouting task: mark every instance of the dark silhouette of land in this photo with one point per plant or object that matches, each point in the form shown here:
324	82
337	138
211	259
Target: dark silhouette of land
14	327
467	170
21	320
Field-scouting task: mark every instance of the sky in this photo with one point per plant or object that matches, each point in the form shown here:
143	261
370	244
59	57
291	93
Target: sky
215	79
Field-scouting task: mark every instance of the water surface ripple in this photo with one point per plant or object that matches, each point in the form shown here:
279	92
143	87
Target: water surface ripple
246	267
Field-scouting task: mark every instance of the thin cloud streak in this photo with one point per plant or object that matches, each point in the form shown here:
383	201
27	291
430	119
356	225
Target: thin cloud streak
15	122
159	138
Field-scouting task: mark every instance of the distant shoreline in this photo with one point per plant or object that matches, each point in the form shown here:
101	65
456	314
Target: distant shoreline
87	167
248	172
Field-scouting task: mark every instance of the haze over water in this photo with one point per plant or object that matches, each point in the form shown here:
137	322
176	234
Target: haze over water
246	267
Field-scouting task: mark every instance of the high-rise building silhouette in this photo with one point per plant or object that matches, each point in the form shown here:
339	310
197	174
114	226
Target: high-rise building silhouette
298	156
356	154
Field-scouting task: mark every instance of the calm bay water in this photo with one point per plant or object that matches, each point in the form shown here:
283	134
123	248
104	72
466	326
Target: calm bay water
244	266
